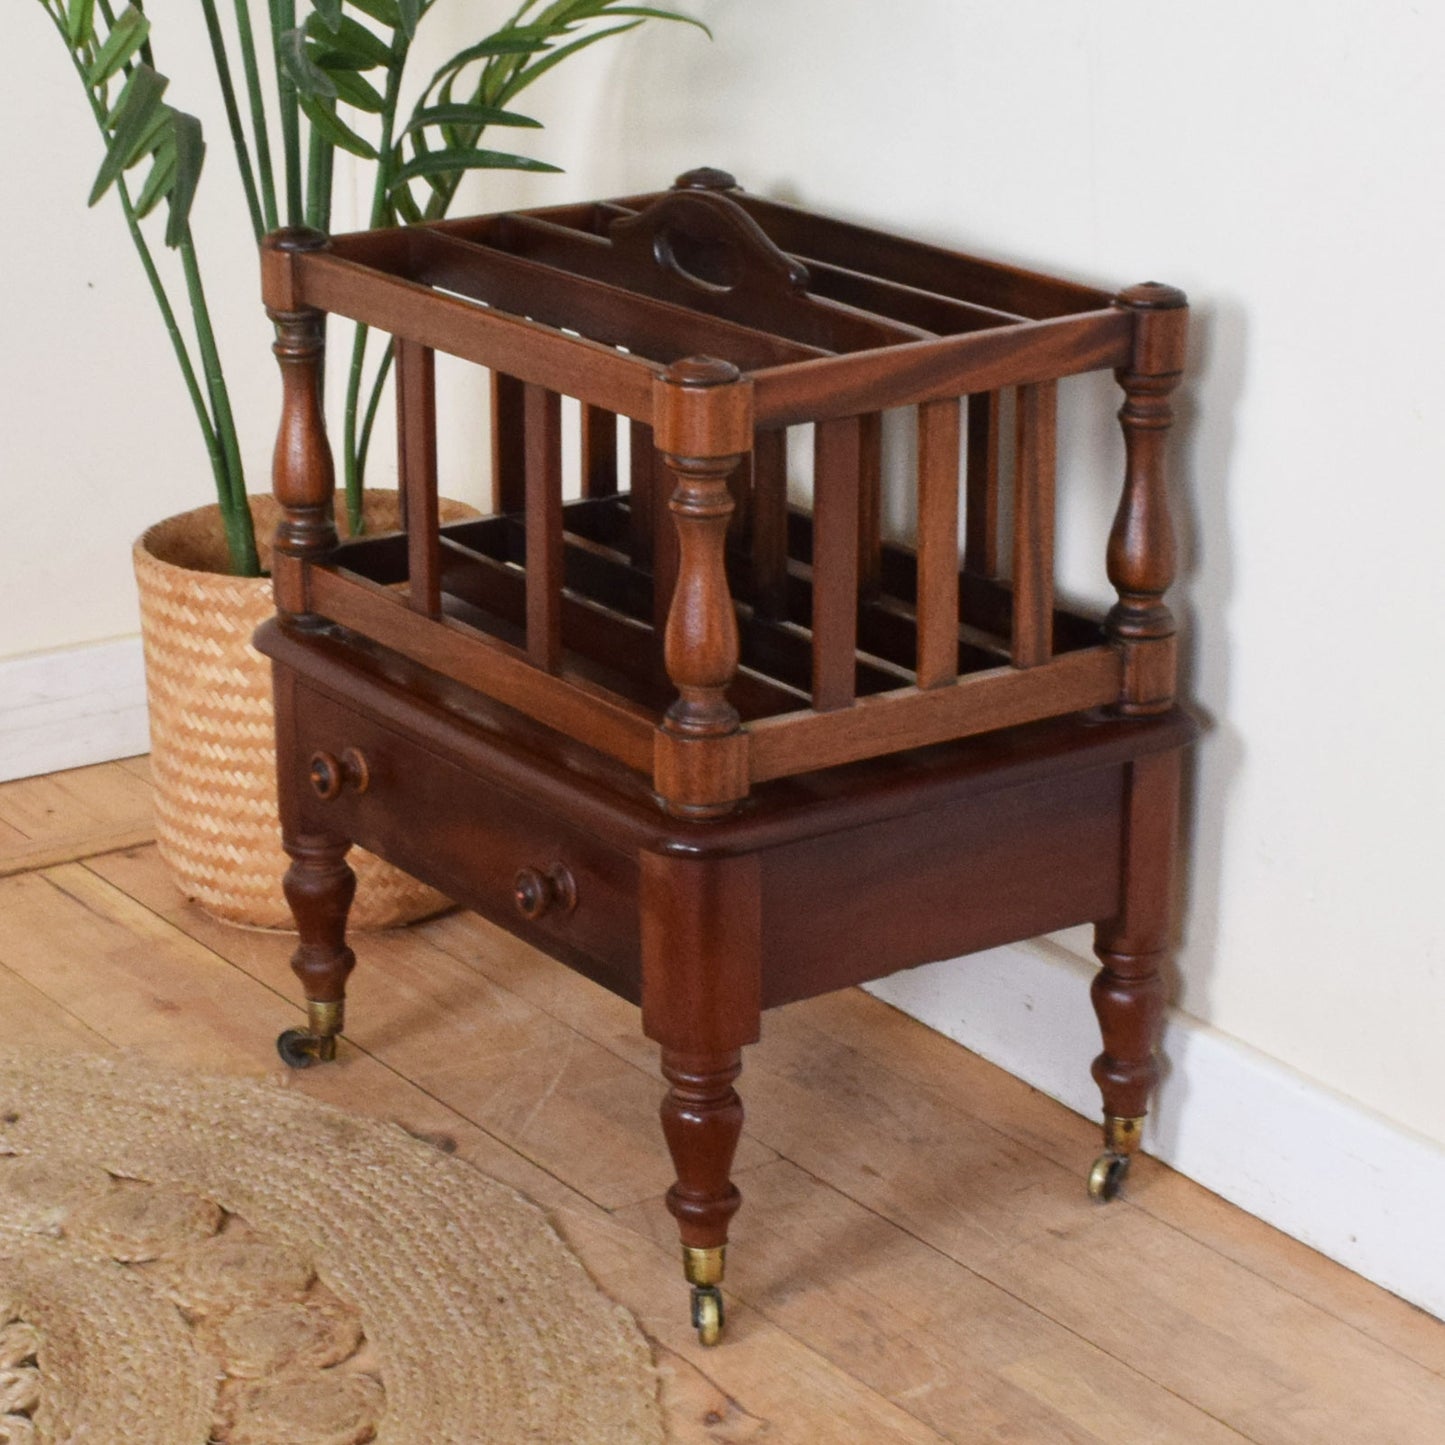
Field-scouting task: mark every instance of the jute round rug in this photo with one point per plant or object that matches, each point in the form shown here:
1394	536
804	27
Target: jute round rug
187	1259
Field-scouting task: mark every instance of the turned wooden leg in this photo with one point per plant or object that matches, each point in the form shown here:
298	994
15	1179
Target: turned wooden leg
702	1120
319	887
1129	991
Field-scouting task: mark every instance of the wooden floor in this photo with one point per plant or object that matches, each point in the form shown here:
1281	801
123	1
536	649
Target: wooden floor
916	1259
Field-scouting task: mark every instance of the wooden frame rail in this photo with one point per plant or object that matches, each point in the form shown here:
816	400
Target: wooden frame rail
683	617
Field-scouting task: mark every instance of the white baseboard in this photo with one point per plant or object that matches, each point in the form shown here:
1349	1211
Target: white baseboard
1322	1168
71	707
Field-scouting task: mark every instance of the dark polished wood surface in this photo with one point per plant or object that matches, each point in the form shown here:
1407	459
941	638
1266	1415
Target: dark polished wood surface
714	750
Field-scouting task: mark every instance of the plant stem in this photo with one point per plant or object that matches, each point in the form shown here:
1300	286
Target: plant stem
315	177
240	536
233	115
378	386
257	103
350	452
238	512
283	20
353	450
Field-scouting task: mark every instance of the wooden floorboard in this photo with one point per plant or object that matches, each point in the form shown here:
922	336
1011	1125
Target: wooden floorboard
916	1259
58	817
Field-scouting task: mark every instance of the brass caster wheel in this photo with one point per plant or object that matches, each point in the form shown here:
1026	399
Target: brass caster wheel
707	1313
1107	1176
299	1049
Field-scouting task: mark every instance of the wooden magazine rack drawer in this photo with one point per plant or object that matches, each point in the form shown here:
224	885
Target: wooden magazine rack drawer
708	727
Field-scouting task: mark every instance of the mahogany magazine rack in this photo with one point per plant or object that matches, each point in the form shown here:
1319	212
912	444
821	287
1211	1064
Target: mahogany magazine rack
714	743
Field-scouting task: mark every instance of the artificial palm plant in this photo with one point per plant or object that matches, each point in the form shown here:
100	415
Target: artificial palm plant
314	77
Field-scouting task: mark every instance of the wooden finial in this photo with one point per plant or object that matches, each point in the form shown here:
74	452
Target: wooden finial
705	178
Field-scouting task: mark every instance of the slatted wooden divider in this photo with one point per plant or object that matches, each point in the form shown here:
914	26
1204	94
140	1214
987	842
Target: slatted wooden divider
416	431
599	452
837	486
769	463
508	444
938	480
981	521
839	643
543	414
1033	551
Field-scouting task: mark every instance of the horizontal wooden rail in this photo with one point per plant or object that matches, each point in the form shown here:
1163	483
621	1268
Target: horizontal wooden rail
921	371
915	263
911	717
942	315
657	329
805	320
572	365
565	701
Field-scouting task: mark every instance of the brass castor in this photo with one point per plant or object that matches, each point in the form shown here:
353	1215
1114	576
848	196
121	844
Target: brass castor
300	1049
1107	1176
1111	1168
707	1313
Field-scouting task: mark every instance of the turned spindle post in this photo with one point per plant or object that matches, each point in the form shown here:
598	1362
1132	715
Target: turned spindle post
1128	993
1141	555
303	477
319	884
703	429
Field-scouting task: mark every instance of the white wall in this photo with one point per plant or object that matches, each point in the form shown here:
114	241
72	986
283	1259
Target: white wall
1280	162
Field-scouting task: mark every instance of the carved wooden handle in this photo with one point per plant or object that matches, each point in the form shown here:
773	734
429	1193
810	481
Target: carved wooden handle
710	241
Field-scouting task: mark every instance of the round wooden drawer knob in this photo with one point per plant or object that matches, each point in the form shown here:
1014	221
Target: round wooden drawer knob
537	892
330	775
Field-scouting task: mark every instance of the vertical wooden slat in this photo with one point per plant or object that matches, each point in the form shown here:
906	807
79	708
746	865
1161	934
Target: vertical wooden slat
641	501
599	452
509	492
980	547
837	478
416	431
542	412
665	544
1033	558
770	522
870	504
938	457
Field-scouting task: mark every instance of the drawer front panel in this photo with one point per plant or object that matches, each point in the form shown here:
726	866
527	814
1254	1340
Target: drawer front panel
476	842
1012	864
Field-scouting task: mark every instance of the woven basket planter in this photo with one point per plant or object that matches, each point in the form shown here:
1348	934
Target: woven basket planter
212	728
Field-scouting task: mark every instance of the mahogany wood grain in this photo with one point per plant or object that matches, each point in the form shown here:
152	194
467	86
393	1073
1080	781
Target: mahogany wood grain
303	476
758	753
643	507
938	481
571	365
981	519
611	723
870	503
416	430
913	263
660	330
543	417
911	717
1035	449
509	453
770	521
915	372
1141	555
1133	944
837	488
599	452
